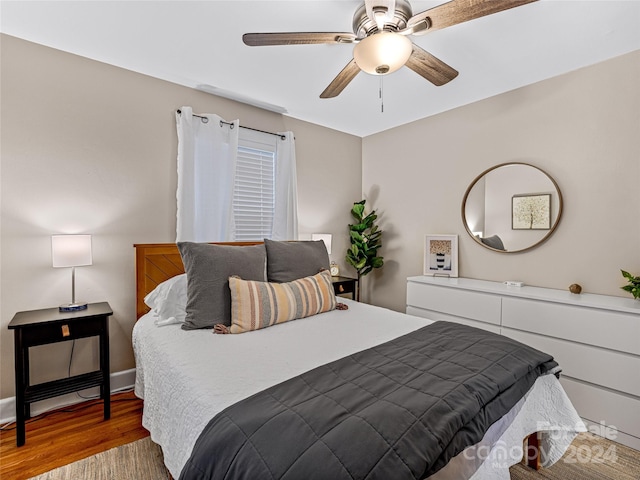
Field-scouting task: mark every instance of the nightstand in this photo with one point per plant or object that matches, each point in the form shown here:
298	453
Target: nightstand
343	285
41	327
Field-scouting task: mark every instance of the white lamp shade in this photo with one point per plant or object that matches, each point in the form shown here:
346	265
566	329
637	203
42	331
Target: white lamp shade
71	250
382	53
325	237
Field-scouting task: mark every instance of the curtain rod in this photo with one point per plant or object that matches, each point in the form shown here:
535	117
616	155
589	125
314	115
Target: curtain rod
222	122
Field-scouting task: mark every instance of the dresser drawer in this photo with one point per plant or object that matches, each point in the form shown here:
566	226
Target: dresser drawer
593	326
599	405
431	315
459	303
60	331
615	370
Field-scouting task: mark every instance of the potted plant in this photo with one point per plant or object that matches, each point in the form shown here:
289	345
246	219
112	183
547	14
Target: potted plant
634	284
365	237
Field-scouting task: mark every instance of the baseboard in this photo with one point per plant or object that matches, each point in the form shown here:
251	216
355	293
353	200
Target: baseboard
119	381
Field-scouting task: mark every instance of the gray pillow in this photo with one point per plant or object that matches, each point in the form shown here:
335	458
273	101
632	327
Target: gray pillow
289	261
208	269
493	242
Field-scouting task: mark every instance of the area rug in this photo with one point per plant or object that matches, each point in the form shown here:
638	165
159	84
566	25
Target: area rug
139	460
589	458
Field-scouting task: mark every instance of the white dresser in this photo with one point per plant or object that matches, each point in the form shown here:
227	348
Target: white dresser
594	338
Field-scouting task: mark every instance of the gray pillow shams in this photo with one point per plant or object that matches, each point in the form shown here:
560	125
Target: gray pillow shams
208	269
289	261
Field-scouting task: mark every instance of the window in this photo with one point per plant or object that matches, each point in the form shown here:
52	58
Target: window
211	202
254	189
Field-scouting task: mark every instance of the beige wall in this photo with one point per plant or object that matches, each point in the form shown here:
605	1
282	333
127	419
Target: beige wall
90	148
583	128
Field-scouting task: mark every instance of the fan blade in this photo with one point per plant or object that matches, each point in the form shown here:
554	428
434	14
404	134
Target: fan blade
459	11
339	83
296	38
430	67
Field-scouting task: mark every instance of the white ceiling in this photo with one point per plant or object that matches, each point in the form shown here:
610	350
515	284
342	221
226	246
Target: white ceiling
199	43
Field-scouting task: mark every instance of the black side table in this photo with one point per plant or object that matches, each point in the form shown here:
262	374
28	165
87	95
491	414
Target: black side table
344	285
41	327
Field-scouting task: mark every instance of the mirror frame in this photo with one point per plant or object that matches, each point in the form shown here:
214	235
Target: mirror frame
539	242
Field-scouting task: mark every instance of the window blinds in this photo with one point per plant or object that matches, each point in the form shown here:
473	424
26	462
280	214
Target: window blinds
254	193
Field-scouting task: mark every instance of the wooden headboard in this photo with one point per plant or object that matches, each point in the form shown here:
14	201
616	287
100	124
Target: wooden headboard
157	262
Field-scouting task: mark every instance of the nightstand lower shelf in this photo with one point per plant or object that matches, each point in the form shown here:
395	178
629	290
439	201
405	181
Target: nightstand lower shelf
42	391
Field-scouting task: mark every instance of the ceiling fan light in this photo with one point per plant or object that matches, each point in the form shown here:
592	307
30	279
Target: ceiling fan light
380	17
382	53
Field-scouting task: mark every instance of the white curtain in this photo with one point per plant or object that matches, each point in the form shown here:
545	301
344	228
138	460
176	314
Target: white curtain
285	220
207	151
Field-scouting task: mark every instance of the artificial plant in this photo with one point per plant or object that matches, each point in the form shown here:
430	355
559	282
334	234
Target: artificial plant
366	239
634	284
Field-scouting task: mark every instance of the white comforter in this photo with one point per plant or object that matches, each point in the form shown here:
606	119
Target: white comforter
187	377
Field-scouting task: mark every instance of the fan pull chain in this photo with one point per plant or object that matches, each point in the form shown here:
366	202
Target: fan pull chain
381	93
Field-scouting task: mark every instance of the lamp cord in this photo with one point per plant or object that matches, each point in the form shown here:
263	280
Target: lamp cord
73	346
381	94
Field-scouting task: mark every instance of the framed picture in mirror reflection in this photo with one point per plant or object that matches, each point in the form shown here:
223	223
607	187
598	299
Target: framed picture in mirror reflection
531	211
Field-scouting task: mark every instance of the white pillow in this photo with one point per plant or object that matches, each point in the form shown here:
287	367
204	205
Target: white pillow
169	300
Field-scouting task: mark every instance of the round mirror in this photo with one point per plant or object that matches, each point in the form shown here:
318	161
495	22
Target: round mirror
512	207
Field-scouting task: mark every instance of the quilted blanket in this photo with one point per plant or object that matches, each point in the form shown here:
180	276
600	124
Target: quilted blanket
399	410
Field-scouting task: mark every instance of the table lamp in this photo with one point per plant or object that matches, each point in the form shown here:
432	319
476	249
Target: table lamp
325	237
71	251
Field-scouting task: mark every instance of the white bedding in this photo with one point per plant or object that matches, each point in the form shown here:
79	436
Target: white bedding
187	377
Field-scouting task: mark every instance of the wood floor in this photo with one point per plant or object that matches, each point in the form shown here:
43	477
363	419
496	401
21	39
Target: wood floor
66	435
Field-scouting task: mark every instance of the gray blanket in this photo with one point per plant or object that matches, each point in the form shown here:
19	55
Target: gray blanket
399	410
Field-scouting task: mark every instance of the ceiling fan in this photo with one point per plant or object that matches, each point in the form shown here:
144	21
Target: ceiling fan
381	28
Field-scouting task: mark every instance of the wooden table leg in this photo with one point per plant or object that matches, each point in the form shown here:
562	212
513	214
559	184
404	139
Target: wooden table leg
21	383
105	388
532	451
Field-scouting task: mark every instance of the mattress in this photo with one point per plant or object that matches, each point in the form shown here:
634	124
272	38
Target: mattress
187	377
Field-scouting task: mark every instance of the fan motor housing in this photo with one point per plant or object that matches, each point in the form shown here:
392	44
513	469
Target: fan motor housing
364	26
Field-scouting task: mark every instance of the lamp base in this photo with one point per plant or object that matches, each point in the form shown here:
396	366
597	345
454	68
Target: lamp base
73	307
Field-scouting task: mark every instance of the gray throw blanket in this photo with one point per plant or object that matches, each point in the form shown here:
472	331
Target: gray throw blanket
400	410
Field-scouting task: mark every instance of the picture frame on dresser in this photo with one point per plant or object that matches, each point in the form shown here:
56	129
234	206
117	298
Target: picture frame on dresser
440	255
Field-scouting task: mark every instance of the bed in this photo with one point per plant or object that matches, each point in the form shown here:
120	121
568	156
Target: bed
188	377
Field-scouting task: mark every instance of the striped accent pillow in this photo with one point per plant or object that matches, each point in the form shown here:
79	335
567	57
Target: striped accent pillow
256	305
